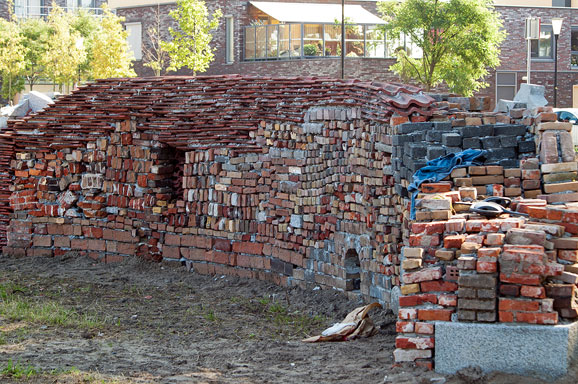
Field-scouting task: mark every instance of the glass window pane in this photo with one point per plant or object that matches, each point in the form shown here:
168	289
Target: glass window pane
543	48
295	40
272	34
250	43
261	52
312	40
574	40
355	46
574	60
506	93
284	41
332	40
504	78
374	41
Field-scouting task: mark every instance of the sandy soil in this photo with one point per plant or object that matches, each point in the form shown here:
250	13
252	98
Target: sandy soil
160	324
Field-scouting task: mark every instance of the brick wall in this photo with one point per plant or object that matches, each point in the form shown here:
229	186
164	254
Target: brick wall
364	69
4	9
513	55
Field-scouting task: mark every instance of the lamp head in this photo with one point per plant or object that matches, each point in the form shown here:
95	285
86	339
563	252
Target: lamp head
557	25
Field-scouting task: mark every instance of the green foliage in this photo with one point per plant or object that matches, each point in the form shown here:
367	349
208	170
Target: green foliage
88	27
66	51
190	46
36	35
110	55
460	40
12	57
311	50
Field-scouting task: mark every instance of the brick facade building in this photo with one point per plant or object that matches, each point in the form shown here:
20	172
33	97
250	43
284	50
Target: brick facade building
504	80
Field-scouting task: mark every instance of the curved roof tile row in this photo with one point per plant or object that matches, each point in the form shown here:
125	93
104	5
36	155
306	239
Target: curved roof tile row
221	110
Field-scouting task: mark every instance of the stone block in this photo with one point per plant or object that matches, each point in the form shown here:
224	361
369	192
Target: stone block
529	350
452	139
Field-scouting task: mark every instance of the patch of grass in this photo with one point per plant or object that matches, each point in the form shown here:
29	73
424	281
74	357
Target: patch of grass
16	307
210	315
295	322
264	301
17	370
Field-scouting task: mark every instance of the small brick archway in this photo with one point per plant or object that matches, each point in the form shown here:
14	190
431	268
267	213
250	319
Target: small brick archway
352	267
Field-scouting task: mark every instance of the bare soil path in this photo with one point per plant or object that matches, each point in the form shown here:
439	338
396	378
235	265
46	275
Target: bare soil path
77	321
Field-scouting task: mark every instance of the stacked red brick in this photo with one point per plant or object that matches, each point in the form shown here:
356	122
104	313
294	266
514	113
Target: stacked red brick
266	178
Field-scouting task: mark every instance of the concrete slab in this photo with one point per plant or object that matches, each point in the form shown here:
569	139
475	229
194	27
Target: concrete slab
530	350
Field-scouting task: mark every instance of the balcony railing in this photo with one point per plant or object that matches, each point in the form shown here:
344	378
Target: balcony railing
35	11
302	40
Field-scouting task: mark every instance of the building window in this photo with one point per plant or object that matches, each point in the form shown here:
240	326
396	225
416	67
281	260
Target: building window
506	85
543	48
297	40
230	39
574	47
134	39
28	8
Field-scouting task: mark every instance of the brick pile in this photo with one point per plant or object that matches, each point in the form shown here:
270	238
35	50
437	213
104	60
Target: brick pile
414	143
303	182
287	180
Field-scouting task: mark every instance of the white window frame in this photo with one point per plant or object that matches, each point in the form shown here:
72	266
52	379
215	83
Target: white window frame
229	39
506	85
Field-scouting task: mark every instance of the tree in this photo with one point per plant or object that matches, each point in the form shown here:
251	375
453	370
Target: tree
190	45
154	55
36	35
87	25
12	58
460	40
110	51
66	51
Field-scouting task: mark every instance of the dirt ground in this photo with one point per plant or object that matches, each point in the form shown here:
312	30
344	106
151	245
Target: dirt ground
140	322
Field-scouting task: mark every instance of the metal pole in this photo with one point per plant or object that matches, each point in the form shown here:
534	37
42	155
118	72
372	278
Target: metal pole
555	71
343	39
528	61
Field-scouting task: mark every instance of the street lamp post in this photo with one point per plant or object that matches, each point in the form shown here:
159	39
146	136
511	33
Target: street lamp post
343	39
556	28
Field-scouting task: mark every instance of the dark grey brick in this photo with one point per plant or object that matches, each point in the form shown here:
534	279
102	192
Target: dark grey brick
432	135
433	152
453	149
510	163
490	142
442	125
510	130
472	142
487	130
413	127
401	139
452	139
498	154
470	131
417	151
508	141
527	146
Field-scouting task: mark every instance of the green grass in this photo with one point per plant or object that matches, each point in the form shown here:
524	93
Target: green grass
210	315
17	305
17	370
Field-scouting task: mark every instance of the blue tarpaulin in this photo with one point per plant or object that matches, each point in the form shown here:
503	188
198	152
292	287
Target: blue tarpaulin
437	169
